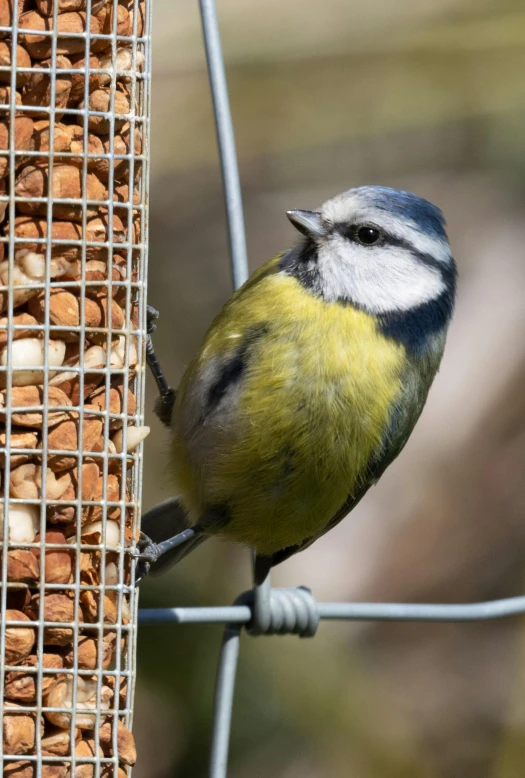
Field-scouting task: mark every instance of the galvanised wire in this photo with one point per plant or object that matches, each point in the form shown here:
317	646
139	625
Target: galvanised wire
45	420
226	142
9	345
128	369
264	610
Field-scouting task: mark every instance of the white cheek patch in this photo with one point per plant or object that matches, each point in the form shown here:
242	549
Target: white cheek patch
378	279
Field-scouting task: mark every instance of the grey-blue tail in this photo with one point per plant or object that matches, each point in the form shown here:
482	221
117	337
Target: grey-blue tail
163	522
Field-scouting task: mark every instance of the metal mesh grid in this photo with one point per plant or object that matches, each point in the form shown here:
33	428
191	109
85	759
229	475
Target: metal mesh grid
265	610
74	121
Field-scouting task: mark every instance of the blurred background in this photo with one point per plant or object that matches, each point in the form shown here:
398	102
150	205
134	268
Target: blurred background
425	95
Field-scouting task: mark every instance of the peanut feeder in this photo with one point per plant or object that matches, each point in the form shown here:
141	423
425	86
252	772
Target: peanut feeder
73	177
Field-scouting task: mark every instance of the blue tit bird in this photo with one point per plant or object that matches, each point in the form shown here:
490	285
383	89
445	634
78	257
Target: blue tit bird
309	381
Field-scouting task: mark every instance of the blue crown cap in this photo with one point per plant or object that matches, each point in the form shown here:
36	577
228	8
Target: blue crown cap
427	217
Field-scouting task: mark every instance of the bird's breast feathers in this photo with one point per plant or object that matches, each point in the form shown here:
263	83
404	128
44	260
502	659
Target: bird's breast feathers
280	415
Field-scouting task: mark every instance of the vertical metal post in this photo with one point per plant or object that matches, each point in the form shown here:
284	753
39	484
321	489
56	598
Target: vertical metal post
226	142
224	690
237	242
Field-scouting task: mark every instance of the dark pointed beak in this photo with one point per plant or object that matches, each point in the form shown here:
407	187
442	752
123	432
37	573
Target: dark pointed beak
307	222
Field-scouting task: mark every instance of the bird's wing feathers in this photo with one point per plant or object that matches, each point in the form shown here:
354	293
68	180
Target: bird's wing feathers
219	367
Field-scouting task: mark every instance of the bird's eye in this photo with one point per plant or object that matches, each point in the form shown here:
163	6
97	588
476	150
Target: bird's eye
368	236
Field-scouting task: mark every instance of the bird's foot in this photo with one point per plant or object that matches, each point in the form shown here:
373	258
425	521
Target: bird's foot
151	319
146	554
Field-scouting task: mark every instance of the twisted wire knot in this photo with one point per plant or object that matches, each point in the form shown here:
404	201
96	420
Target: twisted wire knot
281	611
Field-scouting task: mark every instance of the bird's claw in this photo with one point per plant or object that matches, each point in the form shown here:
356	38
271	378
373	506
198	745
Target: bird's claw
146	554
151	318
147	549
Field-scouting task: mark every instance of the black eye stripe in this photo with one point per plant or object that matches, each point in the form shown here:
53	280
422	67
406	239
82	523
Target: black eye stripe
421	256
349	232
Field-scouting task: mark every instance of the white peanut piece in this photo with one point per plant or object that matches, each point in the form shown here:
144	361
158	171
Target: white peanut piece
32	353
23	522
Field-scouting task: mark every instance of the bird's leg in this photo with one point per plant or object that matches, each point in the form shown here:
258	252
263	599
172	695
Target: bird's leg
261	569
148	552
153	363
164	404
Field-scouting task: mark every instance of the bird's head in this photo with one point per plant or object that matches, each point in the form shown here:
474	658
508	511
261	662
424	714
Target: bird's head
381	249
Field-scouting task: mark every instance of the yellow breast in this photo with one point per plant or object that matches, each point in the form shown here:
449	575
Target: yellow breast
298	429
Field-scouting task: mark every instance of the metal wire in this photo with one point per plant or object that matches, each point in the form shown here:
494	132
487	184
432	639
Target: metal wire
345	611
264	610
106	272
223	707
226	141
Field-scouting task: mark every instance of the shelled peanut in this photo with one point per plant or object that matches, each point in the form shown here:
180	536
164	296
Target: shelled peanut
77	229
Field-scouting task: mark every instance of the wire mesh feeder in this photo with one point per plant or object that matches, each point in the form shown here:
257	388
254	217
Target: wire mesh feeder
74	102
264	610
